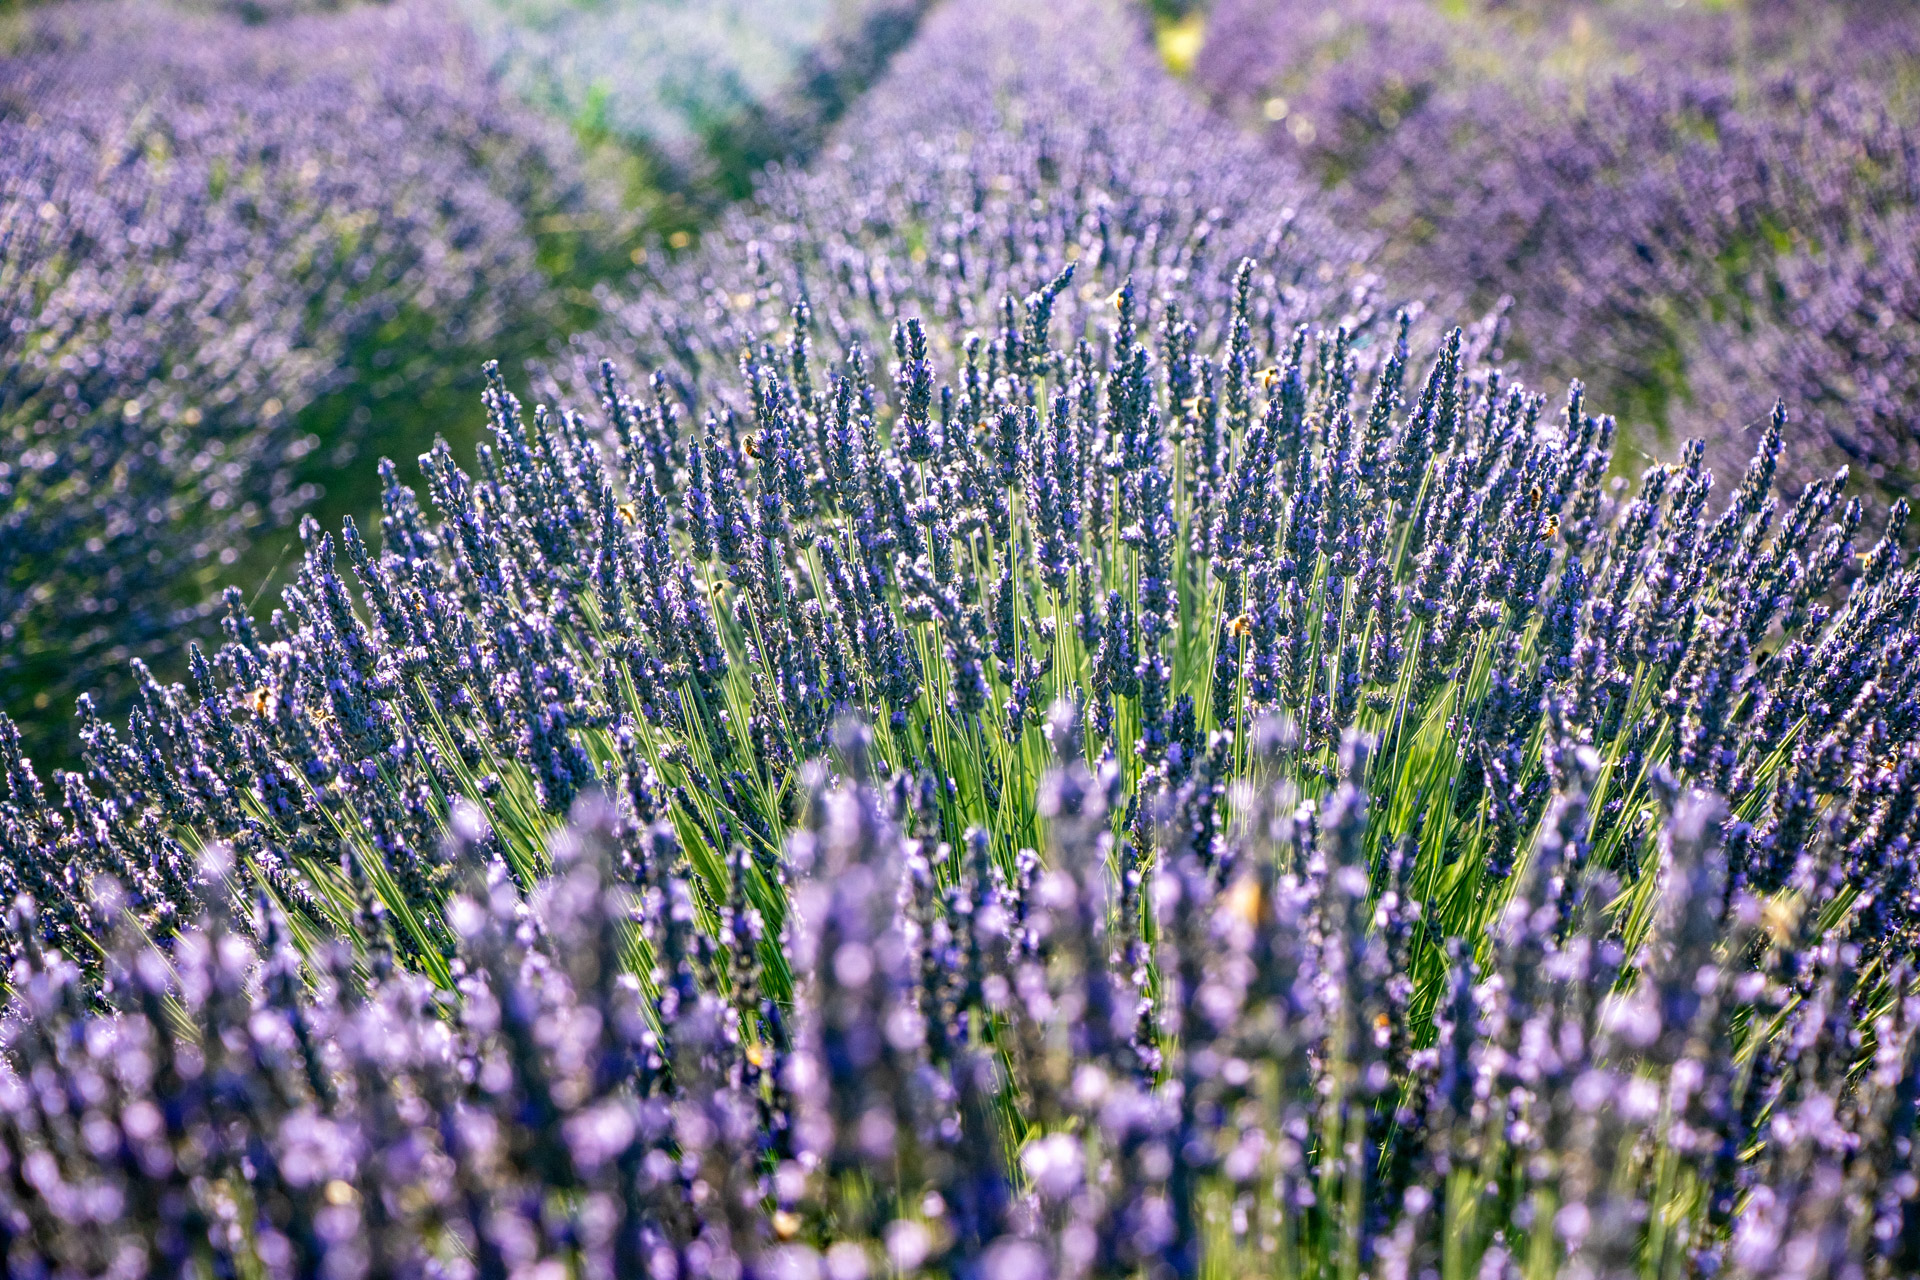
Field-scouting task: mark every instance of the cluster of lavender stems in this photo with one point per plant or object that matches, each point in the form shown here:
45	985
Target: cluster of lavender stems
1085	756
882	1054
1695	208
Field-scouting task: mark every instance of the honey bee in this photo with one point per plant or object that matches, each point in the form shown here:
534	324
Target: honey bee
1533	499
1113	299
1268	377
1553	528
1241	627
753	446
260	701
627	512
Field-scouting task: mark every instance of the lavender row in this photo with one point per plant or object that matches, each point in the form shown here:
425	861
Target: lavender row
1475	677
1002	145
1695	211
209	228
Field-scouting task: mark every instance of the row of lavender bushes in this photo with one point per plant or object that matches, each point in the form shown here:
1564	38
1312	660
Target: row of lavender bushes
234	253
949	207
244	242
1078	755
1694	207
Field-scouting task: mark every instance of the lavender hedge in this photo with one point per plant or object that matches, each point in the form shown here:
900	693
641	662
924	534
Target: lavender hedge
1045	767
950	206
1696	211
224	245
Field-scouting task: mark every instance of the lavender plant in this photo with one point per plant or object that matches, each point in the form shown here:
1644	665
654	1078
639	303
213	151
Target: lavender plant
224	245
1696	211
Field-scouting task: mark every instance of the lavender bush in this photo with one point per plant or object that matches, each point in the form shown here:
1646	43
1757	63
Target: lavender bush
222	243
1099	781
1697	211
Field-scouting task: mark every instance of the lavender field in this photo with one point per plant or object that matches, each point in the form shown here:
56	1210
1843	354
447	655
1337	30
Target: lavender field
863	640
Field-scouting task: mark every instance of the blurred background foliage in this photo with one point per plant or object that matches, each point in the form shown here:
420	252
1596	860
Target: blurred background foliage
1695	205
250	244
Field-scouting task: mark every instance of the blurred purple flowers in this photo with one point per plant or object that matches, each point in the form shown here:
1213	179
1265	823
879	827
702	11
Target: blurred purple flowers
1694	208
207	227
